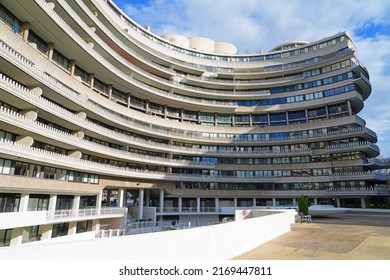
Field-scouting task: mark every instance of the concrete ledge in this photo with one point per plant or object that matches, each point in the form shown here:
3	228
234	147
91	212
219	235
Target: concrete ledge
222	241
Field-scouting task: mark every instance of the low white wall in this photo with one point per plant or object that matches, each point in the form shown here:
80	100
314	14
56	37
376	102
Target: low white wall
22	219
222	241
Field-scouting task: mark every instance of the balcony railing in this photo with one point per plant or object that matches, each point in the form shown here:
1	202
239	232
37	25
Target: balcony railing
88	212
23	63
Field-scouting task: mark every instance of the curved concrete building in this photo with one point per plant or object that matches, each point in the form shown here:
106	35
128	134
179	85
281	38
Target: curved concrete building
105	125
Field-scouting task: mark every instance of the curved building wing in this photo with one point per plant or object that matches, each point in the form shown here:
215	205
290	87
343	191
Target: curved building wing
104	124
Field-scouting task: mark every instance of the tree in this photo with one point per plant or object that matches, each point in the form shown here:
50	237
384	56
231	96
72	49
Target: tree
303	205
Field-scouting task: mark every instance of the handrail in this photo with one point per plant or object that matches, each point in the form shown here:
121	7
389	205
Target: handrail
82	99
70	213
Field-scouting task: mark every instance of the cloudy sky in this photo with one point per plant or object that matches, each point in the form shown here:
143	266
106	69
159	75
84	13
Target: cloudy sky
254	25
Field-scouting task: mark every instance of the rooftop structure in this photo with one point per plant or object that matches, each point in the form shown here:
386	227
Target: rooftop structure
103	123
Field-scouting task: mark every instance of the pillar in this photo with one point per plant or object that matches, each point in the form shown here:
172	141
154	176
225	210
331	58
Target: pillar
72	66
76	205
198	204
274	202
95	225
147	198
180	203
91	80
294	202
72	229
235	202
16	236
217	204
338	203
254	202
128	100
349	108
50	50
315	201
109	91
141	204
99	198
121	201
52	204
26	30
161	200
108	196
23	205
46	231
363	202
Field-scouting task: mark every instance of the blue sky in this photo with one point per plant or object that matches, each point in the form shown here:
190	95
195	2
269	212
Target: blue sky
254	25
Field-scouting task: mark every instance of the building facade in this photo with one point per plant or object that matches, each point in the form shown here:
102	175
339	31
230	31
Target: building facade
101	121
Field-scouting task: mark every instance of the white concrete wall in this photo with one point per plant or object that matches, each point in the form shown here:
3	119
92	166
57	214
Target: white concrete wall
22	219
203	243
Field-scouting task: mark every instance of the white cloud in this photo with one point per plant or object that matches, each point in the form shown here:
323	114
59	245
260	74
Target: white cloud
253	25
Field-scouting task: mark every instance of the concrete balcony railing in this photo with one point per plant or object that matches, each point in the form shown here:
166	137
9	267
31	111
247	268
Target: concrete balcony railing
140	125
368	147
13	118
29	218
106	212
115	70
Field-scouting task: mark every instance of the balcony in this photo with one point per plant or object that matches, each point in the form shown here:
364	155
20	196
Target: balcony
88	213
31	218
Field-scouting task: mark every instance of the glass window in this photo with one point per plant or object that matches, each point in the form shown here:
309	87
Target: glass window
60	230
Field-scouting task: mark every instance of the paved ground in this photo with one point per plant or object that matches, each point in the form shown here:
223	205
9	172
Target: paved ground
354	235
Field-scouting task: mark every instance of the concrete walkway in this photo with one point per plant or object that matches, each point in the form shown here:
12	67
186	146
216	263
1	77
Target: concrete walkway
350	236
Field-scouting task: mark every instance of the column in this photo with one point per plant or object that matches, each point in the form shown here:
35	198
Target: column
76	205
147	198
91	79
95	225
338	203
52	204
128	100
109	91
254	202
180	203
161	200
72	229
327	111
217	204
108	198
72	66
274	202
307	115
50	50
235	202
294	202
121	201
146	106
99	198
24	202
363	202
141	204
26	30
46	231
349	107
16	236
198	204
315	201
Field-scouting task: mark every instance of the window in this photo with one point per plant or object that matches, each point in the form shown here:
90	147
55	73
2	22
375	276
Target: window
61	60
60	230
5	237
41	44
83	226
